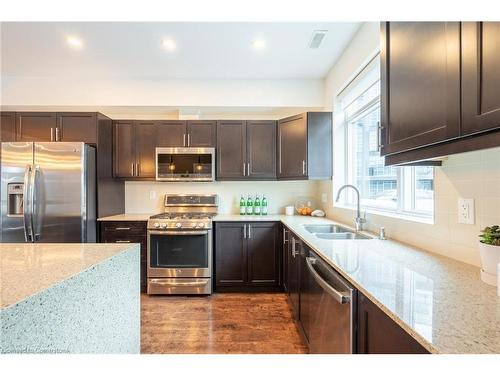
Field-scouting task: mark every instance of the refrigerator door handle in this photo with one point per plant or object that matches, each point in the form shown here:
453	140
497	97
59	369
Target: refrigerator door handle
34	202
27	206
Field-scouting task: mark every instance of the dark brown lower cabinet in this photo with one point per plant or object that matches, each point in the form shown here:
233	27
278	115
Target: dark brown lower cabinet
293	269
127	232
247	256
379	334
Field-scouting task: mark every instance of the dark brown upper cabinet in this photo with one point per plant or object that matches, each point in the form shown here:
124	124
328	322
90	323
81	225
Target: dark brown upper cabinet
247	256
305	146
261	150
134	149
246	150
124	149
77	127
192	133
201	133
420	84
8	127
36	126
171	133
480	77
145	147
231	150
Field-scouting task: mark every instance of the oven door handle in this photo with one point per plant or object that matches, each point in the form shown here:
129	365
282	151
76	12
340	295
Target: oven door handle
180	283
180	233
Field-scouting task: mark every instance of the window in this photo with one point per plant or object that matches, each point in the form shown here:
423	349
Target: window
402	190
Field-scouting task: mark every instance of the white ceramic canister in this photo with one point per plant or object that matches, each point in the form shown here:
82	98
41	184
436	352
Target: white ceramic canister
289	210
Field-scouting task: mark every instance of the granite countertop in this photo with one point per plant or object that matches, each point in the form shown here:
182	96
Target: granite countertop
126	217
439	301
27	269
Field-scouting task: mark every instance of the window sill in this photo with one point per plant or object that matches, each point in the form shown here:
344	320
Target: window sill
395	215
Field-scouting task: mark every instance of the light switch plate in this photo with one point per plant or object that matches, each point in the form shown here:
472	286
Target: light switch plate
152	195
466	210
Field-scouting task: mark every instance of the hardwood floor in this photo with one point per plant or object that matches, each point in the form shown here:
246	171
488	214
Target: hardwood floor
259	323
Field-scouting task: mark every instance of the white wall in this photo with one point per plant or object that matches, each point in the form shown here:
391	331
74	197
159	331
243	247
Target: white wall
469	175
52	91
278	193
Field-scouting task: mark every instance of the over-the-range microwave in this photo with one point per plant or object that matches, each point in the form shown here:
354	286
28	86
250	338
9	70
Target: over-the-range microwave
185	164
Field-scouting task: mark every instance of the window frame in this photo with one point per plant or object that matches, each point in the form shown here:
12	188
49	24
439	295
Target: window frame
402	173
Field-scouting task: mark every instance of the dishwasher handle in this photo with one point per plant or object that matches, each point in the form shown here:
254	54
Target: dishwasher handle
338	296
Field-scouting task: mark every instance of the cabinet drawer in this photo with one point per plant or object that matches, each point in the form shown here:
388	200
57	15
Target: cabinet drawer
124	227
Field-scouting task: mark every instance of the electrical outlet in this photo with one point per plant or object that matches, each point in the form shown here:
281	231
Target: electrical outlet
152	195
324	198
466	211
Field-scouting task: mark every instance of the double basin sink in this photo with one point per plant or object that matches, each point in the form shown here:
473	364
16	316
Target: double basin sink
334	232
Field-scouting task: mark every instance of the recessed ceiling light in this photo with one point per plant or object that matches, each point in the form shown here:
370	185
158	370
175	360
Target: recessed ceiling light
74	42
168	44
259	44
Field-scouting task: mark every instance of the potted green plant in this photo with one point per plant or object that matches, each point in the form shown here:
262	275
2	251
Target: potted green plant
489	250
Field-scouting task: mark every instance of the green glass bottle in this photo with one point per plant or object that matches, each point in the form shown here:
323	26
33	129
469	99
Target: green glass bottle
249	205
242	206
263	210
256	206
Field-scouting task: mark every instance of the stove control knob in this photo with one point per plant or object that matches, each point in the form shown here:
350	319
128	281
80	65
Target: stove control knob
193	225
156	225
178	225
201	225
163	225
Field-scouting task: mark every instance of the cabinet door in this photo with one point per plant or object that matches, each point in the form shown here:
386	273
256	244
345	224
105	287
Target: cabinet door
171	133
145	145
231	150
230	254
480	76
35	126
8	127
263	254
292	147
124	150
77	127
261	149
293	275
420	84
379	334
201	133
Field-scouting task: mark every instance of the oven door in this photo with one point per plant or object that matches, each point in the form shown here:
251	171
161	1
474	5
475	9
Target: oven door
179	254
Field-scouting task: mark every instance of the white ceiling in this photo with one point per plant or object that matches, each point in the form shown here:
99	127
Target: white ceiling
204	50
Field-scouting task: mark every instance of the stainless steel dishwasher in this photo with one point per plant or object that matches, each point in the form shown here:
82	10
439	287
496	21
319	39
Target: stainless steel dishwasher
327	305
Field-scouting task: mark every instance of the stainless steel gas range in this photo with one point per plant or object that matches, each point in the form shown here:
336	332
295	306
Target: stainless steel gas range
180	245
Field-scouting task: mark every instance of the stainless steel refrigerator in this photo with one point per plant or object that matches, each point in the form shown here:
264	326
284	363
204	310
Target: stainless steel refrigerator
48	192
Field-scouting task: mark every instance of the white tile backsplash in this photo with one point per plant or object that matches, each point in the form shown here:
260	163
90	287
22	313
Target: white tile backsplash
278	193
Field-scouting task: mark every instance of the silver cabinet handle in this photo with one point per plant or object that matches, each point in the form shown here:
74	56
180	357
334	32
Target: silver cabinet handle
303	167
338	296
52	134
122	241
380	146
184	140
58	138
132	169
244	231
249	231
293	247
248	169
122	228
189	141
284	237
244	169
